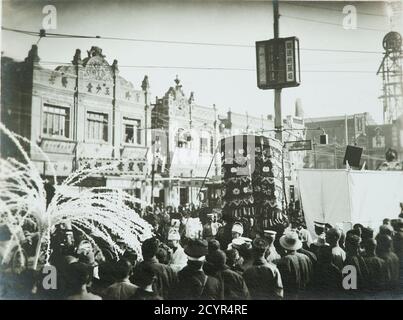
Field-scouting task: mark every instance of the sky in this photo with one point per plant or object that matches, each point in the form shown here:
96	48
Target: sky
326	88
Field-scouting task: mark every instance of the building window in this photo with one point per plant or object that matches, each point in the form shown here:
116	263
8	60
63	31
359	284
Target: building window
97	126
56	121
212	145
204	145
184	139
132	131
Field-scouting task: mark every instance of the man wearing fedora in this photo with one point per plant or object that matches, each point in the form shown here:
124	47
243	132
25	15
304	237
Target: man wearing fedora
295	268
263	278
193	283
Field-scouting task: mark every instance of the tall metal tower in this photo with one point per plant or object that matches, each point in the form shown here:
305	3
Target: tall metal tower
391	72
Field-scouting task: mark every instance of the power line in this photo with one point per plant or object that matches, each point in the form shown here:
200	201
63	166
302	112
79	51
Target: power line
211	68
332	23
57	36
335	10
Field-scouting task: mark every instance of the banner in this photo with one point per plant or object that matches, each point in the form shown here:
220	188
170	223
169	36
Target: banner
341	197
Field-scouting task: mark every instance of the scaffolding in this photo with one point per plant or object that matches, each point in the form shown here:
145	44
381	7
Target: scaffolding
391	72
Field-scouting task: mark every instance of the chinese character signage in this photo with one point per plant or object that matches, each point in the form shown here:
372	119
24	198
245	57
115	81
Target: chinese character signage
57	146
278	63
299	145
114	166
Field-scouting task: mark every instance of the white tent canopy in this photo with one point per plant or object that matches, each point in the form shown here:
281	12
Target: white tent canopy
346	197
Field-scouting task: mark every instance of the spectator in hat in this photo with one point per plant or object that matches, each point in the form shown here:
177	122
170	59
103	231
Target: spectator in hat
375	265
193	283
333	236
237	230
392	265
319	242
244	248
271	254
233	283
122	289
234	260
165	276
367	233
80	275
295	268
385	230
178	257
263	278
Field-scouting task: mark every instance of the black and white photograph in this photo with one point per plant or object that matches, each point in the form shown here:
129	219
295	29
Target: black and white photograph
228	150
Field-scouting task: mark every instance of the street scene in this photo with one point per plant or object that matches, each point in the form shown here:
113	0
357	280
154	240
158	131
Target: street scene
201	150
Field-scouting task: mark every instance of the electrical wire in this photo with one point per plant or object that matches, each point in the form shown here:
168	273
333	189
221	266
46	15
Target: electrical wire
57	35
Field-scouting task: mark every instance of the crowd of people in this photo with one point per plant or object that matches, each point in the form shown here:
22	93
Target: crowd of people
198	254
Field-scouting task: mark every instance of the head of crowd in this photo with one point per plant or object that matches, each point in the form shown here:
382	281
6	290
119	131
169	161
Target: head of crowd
198	254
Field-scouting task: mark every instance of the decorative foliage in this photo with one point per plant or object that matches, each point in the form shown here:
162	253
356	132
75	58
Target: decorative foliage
99	212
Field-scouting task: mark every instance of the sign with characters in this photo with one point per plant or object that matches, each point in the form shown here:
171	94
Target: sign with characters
278	63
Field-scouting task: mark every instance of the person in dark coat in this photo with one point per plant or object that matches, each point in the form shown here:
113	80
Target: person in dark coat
193	283
263	279
327	277
376	267
122	288
398	248
145	291
355	259
233	283
392	265
295	268
234	260
165	276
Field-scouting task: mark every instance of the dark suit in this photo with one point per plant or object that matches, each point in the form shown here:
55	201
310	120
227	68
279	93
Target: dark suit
194	284
166	277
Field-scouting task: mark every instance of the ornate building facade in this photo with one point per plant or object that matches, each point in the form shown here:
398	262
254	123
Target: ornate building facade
187	135
83	115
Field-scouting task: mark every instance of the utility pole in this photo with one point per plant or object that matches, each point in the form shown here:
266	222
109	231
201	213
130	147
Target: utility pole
277	92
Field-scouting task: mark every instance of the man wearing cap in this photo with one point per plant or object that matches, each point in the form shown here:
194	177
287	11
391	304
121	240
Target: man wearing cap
263	279
233	283
272	255
237	230
193	283
165	276
320	241
178	256
295	268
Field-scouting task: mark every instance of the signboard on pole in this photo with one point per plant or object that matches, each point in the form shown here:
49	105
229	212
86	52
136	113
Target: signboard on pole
278	63
300	145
